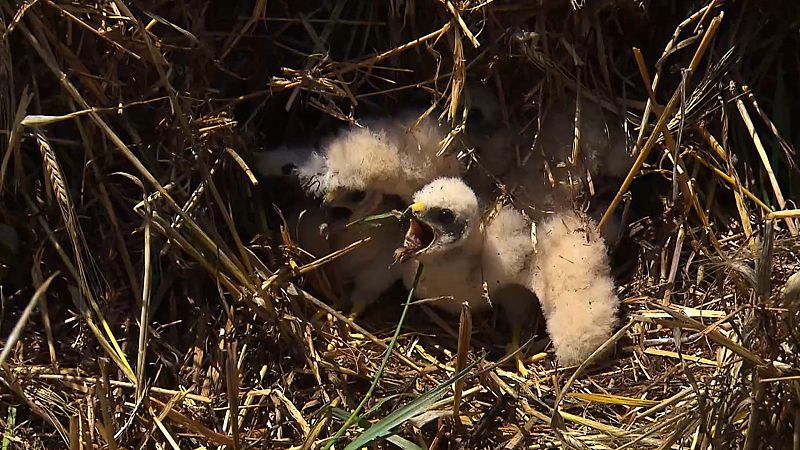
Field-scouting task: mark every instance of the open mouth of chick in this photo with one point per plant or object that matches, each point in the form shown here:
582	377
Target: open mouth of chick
418	238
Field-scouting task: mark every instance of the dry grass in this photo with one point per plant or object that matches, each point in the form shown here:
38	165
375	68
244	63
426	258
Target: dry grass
127	199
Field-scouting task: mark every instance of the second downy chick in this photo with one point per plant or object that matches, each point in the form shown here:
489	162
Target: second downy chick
365	171
364	273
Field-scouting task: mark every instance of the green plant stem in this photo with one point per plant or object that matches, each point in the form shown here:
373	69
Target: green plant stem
354	416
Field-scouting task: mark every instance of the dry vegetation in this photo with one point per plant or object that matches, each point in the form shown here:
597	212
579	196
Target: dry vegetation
127	200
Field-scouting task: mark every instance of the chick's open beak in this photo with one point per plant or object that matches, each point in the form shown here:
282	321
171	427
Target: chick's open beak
420	234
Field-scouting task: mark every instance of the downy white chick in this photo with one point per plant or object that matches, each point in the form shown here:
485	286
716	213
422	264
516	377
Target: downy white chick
572	278
364	171
444	235
364	273
568	271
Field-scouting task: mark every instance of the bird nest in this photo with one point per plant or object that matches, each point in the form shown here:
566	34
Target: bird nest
151	297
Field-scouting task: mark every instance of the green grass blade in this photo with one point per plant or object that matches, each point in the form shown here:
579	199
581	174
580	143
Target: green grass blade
354	416
418	406
400	442
380	403
11	422
391	214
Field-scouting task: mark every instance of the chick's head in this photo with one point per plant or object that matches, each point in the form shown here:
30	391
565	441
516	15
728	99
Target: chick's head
359	161
442	218
302	166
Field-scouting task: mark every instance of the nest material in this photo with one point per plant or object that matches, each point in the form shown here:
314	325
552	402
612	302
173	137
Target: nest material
127	199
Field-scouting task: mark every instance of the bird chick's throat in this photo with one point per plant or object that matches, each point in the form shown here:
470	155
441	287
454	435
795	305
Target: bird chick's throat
419	237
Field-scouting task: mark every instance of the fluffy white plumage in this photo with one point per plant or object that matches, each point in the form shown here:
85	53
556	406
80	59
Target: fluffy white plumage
387	156
393	156
507	248
358	158
572	278
451	194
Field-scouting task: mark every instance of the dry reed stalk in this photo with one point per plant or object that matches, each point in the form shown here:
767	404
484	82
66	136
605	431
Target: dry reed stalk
185	94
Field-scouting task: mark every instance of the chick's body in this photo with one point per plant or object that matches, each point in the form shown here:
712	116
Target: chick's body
507	247
450	282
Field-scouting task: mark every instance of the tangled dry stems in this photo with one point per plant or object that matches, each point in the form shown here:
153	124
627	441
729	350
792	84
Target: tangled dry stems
127	130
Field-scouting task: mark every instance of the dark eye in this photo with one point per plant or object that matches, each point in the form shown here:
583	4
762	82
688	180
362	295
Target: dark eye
445	217
338	213
287	169
475	117
476	114
356	196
